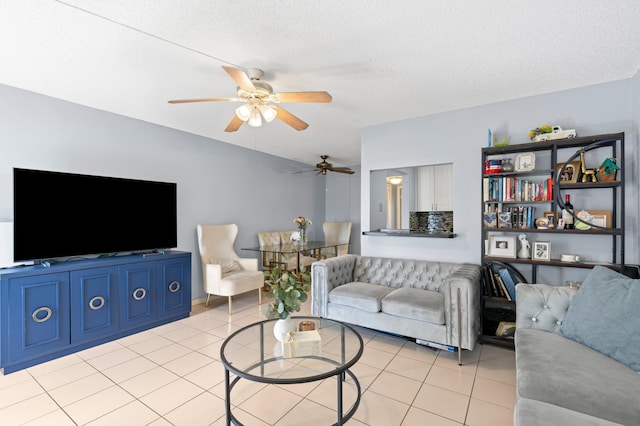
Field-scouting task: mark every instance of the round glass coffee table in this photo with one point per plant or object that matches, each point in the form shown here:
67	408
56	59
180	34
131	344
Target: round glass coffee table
253	353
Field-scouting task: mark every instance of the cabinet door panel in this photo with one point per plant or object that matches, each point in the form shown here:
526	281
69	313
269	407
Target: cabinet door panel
94	303
174	281
39	318
137	293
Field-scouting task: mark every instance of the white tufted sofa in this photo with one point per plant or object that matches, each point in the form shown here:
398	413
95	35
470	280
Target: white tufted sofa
560	381
432	301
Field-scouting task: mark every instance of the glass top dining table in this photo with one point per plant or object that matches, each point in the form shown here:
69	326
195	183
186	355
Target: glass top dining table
310	248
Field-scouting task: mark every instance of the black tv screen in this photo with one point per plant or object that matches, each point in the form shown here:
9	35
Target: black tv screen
65	215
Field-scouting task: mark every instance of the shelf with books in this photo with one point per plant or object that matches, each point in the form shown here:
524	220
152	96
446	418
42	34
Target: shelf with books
530	198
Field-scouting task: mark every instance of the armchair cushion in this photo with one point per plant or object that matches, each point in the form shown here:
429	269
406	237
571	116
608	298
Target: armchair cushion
602	315
415	303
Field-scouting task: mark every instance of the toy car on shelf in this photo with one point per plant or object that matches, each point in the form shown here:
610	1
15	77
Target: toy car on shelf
556	133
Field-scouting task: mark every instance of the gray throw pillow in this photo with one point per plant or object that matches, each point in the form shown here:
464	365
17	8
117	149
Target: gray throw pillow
604	316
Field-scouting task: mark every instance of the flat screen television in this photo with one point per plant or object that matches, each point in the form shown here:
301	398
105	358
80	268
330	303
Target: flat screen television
66	215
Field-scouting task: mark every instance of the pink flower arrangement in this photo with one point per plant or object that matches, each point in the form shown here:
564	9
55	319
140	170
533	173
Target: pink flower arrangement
302	222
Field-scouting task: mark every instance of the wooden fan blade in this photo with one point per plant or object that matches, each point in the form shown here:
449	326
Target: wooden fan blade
241	78
342	170
303	97
234	124
186	101
293	121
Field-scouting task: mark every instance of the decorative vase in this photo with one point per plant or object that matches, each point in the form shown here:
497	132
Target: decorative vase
303	235
507	165
283	326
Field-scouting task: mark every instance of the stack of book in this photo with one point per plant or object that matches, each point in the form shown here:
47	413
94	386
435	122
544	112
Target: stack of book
498	283
511	189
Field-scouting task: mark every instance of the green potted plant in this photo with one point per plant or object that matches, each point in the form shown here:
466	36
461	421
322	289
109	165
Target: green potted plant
290	291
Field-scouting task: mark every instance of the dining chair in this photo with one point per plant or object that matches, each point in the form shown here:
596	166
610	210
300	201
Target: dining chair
336	232
225	273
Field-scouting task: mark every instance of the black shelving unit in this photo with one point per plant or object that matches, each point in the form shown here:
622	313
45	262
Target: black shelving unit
554	152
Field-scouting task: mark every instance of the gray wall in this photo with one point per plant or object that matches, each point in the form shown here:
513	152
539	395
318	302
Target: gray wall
343	203
458	136
217	182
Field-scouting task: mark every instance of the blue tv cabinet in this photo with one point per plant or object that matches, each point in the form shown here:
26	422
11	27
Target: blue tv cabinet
48	312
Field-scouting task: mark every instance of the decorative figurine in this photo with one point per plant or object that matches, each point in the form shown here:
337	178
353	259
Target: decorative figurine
587	174
524	252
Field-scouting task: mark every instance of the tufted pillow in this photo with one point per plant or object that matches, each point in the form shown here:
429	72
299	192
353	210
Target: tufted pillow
604	316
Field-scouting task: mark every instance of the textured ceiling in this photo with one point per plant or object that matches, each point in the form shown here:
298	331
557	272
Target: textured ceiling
381	61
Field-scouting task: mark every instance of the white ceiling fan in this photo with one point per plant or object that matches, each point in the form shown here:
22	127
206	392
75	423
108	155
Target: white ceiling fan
260	101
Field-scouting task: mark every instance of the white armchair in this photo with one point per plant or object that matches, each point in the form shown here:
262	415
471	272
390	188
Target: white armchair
336	232
224	273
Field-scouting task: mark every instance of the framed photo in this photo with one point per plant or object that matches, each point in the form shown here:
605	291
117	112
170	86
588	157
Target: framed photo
502	246
570	173
541	250
525	162
551	218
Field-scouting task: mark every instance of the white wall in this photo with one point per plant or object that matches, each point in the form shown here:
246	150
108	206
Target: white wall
458	136
217	182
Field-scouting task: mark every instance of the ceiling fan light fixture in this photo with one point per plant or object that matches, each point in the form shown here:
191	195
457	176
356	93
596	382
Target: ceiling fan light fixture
268	113
243	112
255	120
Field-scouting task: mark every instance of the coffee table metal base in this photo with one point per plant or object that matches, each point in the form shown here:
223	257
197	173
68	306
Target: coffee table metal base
342	418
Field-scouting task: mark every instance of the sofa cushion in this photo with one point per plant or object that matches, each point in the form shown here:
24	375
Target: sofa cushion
604	316
423	305
562	372
359	295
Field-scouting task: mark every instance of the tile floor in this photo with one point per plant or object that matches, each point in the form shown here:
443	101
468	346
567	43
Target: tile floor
172	375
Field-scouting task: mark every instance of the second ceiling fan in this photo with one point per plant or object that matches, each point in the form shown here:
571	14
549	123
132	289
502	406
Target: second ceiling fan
260	101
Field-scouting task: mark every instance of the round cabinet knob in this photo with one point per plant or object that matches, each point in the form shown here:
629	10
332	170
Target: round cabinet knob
139	293
96	303
41	314
174	286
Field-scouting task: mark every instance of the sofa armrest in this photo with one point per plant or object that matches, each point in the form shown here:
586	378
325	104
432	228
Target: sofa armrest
467	279
327	275
542	306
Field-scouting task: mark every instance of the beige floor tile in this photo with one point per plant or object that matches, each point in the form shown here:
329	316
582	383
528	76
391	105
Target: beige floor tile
445	403
28	410
118	356
134	413
418	352
494	392
98	404
397	387
365	374
54	365
482	413
65	375
188	363
199	340
149	381
129	369
79	389
379	410
270	404
418	417
311	412
167	353
19	392
204	409
409	367
8	380
387	343
449	379
171	396
99	350
376	358
55	418
326	394
181	334
207	376
149	345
